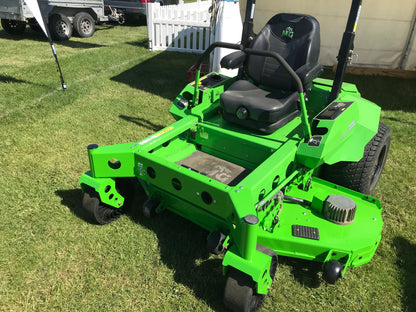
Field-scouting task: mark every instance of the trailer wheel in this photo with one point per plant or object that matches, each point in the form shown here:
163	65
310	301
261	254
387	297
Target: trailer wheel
362	176
84	24
60	27
13	27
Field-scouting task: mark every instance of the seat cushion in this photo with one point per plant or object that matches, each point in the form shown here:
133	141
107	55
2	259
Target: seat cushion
261	105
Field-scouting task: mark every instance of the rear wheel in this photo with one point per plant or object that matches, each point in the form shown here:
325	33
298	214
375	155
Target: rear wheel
362	176
84	24
60	27
13	27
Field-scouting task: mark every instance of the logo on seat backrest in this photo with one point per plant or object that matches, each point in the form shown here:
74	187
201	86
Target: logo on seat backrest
288	32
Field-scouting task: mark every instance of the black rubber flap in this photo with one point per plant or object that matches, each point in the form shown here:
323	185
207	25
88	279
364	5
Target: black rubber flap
305	231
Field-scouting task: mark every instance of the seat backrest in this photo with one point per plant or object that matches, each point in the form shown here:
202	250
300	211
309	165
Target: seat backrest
296	38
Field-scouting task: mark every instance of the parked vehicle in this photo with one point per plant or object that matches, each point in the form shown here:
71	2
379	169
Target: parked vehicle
132	8
63	17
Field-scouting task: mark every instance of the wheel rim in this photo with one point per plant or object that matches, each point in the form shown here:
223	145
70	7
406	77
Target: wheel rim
14	24
62	28
86	26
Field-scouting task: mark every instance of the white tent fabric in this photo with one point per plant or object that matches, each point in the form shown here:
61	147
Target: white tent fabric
34	8
385	36
228	28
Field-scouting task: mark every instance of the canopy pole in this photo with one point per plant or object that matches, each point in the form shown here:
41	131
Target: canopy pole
35	9
248	23
59	67
345	50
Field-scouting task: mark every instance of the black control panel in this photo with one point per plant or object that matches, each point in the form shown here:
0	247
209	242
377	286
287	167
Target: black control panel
333	110
210	81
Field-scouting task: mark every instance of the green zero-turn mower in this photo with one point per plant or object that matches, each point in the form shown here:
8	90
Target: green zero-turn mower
275	161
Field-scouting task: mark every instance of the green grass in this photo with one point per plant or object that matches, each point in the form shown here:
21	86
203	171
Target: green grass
52	259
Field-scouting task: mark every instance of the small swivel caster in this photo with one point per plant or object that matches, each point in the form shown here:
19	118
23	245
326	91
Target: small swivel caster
332	271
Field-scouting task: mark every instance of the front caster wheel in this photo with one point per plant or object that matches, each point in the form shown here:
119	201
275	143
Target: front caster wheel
239	293
96	210
240	289
332	271
150	207
101	213
215	243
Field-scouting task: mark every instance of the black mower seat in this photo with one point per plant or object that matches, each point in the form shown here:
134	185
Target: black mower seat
266	111
269	100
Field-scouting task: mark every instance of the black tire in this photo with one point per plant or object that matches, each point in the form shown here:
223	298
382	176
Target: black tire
13	27
239	292
101	213
35	28
215	241
33	24
84	24
332	271
60	27
150	206
362	176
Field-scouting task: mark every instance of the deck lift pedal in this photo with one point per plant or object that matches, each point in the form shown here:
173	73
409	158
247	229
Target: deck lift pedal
275	161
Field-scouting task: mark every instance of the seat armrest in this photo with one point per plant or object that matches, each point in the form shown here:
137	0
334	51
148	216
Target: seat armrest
233	60
309	72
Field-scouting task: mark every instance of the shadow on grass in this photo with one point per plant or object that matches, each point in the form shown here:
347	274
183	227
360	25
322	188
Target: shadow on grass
141	43
182	246
406	262
183	249
142	123
40	37
79	44
304	271
29	34
10	79
73	200
165	74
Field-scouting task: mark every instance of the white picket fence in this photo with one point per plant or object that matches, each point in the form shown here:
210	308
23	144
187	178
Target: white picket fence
184	27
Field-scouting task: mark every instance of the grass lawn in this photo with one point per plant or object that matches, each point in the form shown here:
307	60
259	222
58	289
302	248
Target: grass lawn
52	259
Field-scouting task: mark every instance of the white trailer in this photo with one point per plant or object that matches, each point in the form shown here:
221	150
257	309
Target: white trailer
63	16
